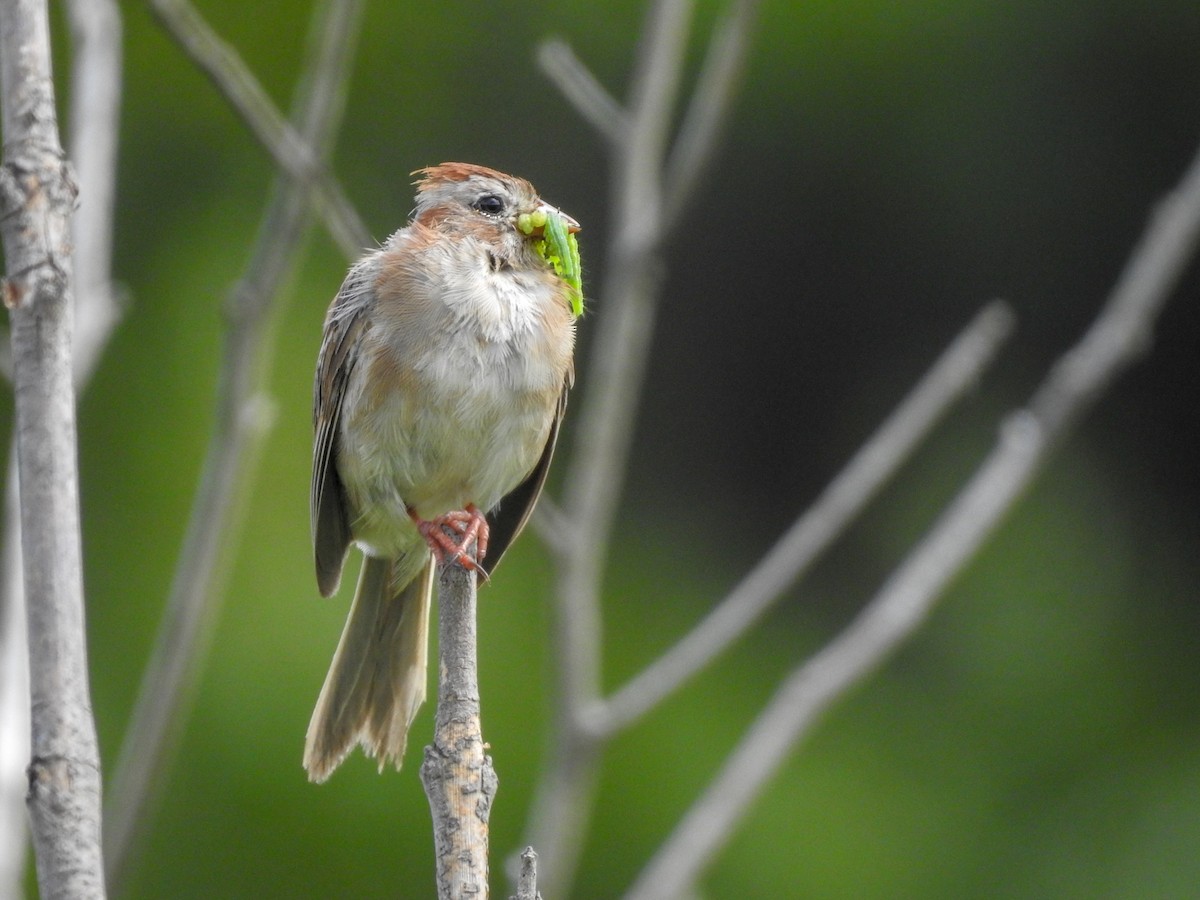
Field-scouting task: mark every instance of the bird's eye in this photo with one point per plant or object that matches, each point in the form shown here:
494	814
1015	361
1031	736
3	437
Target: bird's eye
490	205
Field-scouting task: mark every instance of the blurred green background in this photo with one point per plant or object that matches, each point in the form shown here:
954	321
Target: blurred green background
890	168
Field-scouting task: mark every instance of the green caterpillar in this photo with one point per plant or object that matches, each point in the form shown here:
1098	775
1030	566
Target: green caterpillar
559	248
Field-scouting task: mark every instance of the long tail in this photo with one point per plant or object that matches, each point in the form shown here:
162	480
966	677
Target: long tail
376	682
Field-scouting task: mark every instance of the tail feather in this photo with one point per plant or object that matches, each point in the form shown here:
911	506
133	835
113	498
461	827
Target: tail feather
376	682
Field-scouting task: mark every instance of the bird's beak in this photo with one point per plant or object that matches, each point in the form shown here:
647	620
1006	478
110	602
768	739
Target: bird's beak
573	227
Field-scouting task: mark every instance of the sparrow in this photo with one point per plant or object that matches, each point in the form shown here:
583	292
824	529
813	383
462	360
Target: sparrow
440	385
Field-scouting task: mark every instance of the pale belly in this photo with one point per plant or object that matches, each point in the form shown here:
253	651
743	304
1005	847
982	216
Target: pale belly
456	441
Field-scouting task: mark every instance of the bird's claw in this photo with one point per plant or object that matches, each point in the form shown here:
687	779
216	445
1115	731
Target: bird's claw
449	535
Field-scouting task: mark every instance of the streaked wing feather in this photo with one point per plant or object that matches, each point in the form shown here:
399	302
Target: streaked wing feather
330	516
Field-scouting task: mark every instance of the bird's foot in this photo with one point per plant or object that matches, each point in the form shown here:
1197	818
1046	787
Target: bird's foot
449	535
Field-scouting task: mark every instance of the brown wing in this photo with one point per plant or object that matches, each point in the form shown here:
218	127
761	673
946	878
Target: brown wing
344	326
507	519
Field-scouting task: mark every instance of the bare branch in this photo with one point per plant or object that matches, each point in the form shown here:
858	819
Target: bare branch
36	199
560	64
552	526
458	775
709	107
96	80
243	417
596	471
1118	336
14	698
622	347
290	150
527	877
639	160
955	372
95	121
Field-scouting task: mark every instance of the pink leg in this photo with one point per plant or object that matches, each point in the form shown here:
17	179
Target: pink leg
470	526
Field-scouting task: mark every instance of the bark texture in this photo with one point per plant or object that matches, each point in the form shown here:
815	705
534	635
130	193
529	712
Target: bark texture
37	196
458	775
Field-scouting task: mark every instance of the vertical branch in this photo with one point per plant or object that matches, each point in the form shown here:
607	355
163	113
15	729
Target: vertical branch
527	877
708	110
458	775
36	199
96	92
637	179
241	423
563	801
95	120
14	696
639	142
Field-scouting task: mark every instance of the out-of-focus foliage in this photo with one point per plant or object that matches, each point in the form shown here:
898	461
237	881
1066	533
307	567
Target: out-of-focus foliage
891	167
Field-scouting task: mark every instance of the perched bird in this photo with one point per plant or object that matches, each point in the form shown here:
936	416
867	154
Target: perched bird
441	382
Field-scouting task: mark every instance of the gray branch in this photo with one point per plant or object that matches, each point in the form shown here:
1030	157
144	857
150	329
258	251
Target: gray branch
95	122
559	63
708	110
290	150
1120	335
95	113
36	199
527	888
958	369
14	697
458	775
616	372
242	419
96	79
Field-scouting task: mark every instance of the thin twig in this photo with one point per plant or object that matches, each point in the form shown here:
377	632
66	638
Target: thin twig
458	775
95	122
708	110
1118	336
36	199
287	147
551	525
560	64
241	422
954	373
14	698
